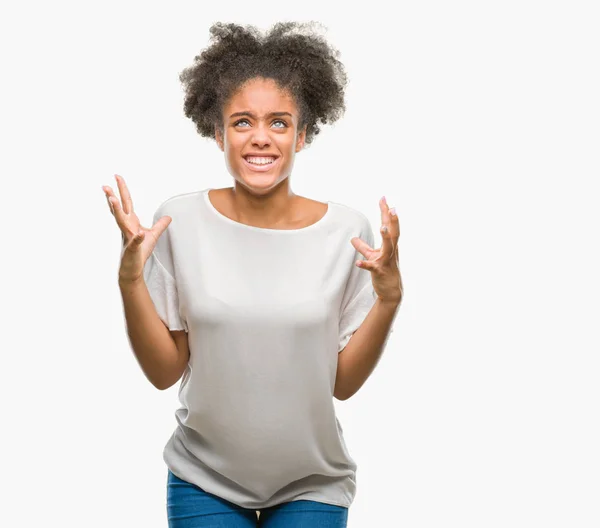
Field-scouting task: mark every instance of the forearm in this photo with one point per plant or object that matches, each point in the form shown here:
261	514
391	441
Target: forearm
150	339
359	358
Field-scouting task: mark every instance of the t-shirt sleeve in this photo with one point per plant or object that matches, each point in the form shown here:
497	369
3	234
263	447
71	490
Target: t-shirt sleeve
159	276
359	296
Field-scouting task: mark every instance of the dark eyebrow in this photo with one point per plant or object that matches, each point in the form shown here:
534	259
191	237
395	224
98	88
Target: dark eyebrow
250	114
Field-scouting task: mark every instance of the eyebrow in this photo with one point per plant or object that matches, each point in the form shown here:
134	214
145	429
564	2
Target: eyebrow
250	114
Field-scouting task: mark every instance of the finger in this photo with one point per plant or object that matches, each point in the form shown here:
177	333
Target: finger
388	244
385	213
110	193
368	265
362	247
117	209
385	210
387	235
390	230
161	225
110	206
395	229
124	194
394	222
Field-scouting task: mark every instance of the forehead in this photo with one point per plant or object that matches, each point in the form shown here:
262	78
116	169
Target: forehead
261	95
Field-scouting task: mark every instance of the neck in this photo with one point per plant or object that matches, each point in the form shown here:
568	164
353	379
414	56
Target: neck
267	209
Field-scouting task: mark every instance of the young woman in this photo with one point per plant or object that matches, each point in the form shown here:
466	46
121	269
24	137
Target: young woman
253	296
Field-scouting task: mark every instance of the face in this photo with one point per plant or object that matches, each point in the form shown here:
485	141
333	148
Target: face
260	120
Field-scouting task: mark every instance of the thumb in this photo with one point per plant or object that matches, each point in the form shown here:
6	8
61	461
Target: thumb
136	241
134	245
139	238
161	225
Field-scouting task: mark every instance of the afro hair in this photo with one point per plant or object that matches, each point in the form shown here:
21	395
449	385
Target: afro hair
290	53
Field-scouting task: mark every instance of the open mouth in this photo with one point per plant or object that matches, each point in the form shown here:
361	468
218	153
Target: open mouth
260	164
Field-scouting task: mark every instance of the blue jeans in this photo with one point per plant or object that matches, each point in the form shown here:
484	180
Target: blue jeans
189	506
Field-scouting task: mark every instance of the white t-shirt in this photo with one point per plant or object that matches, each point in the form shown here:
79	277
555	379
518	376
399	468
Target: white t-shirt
266	311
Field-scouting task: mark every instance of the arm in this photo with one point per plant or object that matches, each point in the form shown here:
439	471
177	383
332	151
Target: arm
162	355
358	359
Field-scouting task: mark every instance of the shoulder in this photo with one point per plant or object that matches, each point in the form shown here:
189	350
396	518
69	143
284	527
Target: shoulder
177	204
352	217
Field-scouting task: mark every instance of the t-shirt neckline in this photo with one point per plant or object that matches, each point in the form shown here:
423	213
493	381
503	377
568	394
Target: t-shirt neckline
228	220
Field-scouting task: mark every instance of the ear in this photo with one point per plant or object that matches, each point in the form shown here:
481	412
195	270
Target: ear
301	139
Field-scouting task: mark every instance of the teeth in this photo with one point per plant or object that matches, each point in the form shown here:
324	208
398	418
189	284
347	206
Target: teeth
260	161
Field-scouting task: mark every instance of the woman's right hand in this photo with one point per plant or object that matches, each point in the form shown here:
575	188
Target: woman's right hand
138	241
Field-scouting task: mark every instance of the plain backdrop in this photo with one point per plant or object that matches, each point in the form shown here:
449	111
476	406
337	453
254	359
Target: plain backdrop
477	120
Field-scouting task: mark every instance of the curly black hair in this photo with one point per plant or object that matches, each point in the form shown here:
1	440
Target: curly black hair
303	63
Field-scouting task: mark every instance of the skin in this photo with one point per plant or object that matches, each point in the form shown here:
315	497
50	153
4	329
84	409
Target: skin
263	199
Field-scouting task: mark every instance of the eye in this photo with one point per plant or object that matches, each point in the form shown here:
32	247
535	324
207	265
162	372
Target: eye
276	121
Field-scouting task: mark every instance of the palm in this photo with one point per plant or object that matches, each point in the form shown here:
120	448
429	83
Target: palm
134	252
132	228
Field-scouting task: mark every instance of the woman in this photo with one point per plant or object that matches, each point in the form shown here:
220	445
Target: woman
253	297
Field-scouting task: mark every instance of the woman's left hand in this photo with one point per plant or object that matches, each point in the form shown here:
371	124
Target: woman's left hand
383	263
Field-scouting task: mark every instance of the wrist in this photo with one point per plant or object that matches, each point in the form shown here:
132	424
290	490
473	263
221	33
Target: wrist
391	303
128	283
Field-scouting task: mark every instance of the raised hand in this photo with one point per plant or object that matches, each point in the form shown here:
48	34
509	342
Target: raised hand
138	241
383	263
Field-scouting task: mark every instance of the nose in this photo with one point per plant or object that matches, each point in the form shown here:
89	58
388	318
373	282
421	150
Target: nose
260	137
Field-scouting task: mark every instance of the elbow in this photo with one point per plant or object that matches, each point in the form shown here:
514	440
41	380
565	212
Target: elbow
161	385
339	392
165	382
339	395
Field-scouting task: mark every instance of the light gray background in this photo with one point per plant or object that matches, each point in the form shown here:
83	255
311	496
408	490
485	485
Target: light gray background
477	120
